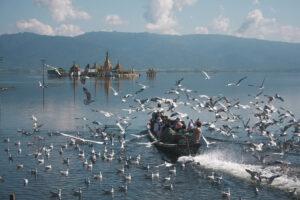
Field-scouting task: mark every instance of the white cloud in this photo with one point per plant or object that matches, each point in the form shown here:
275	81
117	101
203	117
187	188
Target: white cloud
221	23
256	25
201	30
160	15
180	4
34	25
113	20
61	10
68	30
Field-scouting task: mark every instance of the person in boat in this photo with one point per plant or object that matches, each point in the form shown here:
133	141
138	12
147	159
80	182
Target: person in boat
191	125
178	124
158	126
197	131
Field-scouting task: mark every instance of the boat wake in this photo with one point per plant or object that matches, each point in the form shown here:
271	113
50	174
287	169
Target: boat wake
220	161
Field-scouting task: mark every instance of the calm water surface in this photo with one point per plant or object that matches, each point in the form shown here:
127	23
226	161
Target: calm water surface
62	102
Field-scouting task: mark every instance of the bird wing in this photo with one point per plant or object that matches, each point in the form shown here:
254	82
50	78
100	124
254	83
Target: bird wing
241	80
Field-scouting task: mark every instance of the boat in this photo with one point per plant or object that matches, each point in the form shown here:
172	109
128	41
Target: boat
181	144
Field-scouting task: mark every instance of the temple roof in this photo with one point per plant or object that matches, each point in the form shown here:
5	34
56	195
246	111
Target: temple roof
107	64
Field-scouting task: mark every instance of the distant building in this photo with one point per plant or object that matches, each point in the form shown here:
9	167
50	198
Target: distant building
106	70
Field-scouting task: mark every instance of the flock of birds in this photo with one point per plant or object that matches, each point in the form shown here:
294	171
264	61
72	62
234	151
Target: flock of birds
267	130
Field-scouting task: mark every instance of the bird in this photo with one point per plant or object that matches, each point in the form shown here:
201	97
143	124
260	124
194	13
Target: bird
48	167
56	194
206	76
226	194
55	69
178	82
25	181
237	83
98	176
65	173
169	187
109	192
123	188
127	177
78	192
115	93
271	178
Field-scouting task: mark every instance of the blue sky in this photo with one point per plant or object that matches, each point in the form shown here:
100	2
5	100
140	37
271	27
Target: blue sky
263	19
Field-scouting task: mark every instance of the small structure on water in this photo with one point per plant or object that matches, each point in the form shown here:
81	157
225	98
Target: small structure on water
106	70
151	73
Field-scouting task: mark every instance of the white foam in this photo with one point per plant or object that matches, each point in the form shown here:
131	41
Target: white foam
221	161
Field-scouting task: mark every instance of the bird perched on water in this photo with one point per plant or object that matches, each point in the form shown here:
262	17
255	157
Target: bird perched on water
56	194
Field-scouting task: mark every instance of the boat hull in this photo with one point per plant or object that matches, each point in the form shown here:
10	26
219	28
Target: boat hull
174	150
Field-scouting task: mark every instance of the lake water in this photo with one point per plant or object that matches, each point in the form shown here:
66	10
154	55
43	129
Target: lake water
62	101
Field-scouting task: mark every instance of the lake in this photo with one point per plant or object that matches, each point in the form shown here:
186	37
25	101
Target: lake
60	107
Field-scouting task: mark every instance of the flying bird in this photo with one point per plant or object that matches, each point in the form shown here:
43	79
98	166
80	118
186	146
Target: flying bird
206	76
237	83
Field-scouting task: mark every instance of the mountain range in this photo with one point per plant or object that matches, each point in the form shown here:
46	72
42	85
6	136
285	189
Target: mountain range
145	50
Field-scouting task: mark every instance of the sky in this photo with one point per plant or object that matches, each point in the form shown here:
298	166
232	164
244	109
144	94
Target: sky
263	19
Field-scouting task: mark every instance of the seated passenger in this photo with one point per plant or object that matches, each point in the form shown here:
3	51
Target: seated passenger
178	124
158	126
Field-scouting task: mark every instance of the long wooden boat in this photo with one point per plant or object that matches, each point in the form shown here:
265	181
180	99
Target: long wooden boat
173	149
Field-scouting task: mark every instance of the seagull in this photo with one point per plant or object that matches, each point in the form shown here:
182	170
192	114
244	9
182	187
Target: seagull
98	176
56	194
41	85
169	187
78	192
106	114
178	82
122	129
206	141
206	76
143	86
65	173
109	192
138	136
115	93
237	83
270	179
25	181
226	194
48	167
123	188
55	69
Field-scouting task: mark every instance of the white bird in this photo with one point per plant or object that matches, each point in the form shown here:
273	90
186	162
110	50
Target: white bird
25	181
143	86
56	194
115	93
48	167
138	136
65	173
122	129
34	119
106	114
98	176
206	76
226	194
127	177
